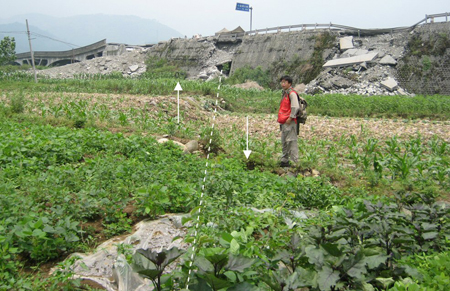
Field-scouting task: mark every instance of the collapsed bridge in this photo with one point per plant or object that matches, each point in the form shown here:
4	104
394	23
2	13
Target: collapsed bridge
61	58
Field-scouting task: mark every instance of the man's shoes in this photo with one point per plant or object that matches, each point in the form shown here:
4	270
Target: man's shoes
284	164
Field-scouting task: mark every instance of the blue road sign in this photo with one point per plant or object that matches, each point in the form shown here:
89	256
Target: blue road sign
243	7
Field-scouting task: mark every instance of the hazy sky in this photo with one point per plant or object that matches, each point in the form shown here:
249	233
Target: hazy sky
208	16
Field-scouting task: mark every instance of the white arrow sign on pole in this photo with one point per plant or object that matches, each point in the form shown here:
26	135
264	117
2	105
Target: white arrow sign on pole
247	152
178	89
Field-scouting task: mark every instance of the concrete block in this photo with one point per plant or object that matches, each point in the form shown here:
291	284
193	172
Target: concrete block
351	60
133	68
364	65
381	54
390	84
346	42
402	92
388	60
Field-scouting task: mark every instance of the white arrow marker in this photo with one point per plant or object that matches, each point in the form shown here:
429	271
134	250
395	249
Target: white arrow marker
178	89
247	152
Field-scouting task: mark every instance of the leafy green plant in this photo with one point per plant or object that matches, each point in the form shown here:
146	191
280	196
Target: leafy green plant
39	238
8	264
432	273
403	164
7	50
116	222
151	265
152	200
356	246
210	139
17	103
219	270
123	118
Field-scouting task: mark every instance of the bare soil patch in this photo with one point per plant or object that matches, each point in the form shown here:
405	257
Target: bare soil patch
332	128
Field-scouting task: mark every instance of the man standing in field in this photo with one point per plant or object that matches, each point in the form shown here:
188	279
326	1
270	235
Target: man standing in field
288	123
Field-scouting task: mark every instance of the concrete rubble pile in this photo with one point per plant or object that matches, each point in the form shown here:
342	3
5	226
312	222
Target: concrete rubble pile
365	67
203	56
129	64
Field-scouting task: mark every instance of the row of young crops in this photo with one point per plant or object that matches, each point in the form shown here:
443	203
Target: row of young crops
376	219
435	107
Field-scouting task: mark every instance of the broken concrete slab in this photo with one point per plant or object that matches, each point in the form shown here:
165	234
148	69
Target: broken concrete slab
381	54
390	84
361	52
388	60
354	52
337	82
341	82
133	68
402	92
351	60
346	43
363	65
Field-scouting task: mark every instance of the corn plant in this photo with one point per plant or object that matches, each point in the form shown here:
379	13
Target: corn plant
403	164
123	118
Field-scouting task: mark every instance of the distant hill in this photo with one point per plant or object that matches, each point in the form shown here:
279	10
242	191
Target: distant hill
39	43
82	30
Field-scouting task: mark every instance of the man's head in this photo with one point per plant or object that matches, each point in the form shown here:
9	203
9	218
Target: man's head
286	82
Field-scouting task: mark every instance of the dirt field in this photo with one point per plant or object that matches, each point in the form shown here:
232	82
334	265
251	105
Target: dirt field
260	125
332	128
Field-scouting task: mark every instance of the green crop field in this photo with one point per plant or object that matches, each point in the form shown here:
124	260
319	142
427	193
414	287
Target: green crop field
74	154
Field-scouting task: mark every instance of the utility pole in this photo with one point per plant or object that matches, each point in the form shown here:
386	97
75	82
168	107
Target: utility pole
31	52
251	12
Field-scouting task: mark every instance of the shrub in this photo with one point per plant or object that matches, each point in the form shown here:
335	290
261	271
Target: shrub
432	270
244	74
163	68
17	103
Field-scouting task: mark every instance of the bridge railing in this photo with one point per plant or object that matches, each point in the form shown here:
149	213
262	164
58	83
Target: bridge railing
439	15
63	54
330	26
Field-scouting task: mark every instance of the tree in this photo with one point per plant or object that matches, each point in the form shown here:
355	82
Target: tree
7	50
